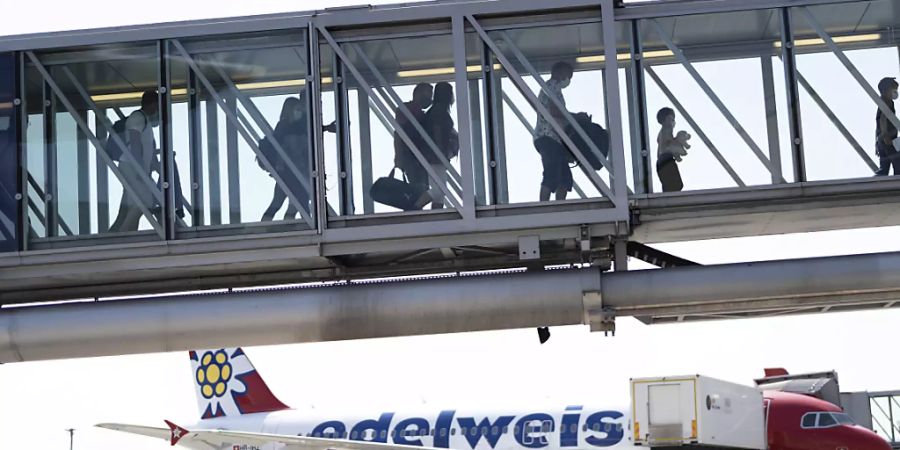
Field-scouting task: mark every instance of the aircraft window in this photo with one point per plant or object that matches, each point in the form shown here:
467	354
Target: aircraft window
608	427
517	430
495	430
462	430
584	427
443	432
505	430
826	420
596	427
423	432
843	418
619	427
453	432
473	431
433	431
484	431
546	426
353	435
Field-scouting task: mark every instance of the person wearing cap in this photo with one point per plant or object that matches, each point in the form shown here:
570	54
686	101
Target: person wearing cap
886	132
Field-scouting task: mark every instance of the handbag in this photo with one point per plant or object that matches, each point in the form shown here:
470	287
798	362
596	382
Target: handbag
396	193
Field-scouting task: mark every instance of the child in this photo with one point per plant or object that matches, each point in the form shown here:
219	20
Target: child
672	148
885	130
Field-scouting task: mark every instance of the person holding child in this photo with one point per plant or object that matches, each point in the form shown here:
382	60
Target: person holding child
672	148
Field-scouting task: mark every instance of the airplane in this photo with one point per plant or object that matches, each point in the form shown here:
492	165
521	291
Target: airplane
240	412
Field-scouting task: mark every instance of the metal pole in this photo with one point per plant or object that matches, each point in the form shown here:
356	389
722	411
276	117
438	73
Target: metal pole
477	141
50	227
102	173
614	108
365	150
83	177
771	108
231	155
493	110
788	57
212	155
464	123
71	432
23	220
342	123
195	140
641	167
166	152
317	144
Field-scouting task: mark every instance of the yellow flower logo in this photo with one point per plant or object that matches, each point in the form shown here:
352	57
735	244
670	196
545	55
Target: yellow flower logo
213	374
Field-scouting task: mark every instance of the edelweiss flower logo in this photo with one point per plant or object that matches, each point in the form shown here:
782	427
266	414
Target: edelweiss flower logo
213	374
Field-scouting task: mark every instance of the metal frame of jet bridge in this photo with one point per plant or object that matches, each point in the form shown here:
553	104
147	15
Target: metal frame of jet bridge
340	237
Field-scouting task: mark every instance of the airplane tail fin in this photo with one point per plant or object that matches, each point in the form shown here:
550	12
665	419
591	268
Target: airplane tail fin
227	384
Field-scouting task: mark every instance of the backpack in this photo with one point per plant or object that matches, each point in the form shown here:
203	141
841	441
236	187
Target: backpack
112	147
597	134
268	150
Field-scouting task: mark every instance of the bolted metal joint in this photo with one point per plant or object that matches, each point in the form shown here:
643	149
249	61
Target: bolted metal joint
598	317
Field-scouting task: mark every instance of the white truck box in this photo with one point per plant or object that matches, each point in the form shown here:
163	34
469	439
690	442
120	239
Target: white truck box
697	411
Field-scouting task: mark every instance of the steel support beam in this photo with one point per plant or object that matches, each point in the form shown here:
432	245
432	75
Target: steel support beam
445	305
268	317
365	150
789	60
771	108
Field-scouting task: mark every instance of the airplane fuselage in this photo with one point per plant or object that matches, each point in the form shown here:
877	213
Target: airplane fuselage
575	427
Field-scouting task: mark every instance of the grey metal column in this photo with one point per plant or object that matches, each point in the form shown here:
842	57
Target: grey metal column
788	57
234	170
166	152
195	139
365	150
50	203
23	221
212	155
771	107
614	107
84	182
342	123
493	110
637	112
102	174
23	231
477	141
314	82
464	121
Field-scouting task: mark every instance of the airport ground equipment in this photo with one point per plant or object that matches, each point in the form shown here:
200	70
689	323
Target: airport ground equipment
697	412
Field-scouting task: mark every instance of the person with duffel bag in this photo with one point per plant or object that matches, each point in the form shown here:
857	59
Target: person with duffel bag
404	193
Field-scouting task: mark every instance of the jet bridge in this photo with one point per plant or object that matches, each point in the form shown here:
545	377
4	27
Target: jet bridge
778	95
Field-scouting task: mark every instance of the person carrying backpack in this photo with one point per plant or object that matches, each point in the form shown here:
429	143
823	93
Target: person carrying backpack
142	161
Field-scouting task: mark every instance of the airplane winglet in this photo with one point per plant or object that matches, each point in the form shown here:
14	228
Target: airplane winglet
176	433
775	372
